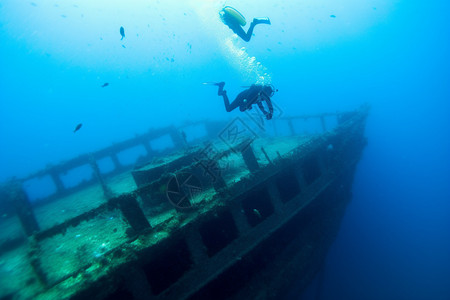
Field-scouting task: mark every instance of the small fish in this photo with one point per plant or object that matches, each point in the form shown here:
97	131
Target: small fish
105	84
257	213
78	127
122	32
332	16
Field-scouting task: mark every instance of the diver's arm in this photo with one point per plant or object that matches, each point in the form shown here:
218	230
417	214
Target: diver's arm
269	105
261	107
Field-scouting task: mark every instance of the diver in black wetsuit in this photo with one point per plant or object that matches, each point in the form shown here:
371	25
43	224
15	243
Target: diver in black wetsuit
233	19
255	94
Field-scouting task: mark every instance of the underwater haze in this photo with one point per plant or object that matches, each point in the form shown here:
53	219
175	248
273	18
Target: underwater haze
322	56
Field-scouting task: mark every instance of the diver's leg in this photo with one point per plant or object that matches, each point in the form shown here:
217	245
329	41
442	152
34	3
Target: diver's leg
229	106
255	22
226	101
241	33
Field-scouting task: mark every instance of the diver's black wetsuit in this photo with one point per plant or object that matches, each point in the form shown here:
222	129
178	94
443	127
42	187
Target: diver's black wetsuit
236	27
255	94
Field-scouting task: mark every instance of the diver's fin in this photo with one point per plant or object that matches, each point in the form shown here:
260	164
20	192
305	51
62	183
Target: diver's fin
261	21
214	83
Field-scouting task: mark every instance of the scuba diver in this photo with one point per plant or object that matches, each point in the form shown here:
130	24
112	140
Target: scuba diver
235	20
255	94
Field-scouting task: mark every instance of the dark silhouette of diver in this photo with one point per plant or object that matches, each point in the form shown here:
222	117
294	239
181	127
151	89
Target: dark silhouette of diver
235	20
255	94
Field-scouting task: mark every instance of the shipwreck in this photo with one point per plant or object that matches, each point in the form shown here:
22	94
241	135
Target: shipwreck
242	209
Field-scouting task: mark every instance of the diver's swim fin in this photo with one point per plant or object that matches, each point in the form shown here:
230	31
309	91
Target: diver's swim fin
213	83
257	21
219	84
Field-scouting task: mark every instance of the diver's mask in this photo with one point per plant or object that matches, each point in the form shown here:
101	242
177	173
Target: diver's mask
273	90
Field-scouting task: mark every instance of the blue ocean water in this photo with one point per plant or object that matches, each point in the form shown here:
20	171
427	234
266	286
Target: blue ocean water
322	56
